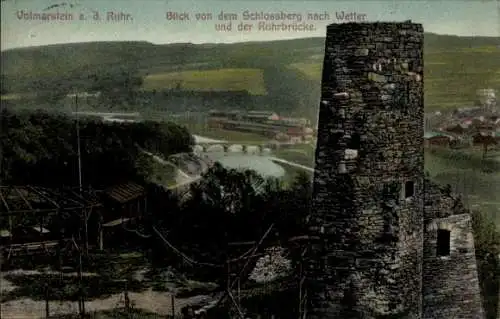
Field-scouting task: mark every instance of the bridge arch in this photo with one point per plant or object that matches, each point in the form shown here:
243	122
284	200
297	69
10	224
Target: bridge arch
197	149
252	149
265	150
236	148
233	148
215	148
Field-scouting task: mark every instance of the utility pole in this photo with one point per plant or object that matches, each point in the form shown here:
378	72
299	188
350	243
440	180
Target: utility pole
81	299
81	282
78	145
81	302
79	154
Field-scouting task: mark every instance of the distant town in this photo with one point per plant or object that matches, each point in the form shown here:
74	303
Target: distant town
265	123
475	126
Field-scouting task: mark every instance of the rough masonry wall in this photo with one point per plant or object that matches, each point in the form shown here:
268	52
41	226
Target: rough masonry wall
498	310
368	184
450	283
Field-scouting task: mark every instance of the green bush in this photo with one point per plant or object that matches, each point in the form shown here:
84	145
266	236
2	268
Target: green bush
487	244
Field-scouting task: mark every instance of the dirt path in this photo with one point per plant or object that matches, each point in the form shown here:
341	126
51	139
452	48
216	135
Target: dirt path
26	308
156	302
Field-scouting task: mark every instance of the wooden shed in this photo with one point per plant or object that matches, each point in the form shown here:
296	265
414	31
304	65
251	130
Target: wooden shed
437	139
125	205
482	139
127	200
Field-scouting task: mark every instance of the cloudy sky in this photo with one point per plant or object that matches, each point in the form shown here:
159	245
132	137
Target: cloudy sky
459	17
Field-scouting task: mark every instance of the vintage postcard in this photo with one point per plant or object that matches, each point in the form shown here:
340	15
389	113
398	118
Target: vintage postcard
250	159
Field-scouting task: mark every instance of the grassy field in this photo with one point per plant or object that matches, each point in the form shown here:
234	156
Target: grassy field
15	96
484	49
454	67
310	69
451	77
209	80
462	172
163	175
300	154
480	190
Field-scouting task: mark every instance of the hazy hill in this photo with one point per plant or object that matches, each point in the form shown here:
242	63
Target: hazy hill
455	67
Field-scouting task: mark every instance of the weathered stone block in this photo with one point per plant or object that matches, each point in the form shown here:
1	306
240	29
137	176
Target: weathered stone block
369	208
362	223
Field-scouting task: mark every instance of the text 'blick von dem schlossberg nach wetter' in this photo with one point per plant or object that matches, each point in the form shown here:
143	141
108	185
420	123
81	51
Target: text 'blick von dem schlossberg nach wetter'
247	20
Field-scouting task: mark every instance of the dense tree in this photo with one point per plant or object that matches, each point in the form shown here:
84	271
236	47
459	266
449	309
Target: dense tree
225	207
221	203
41	148
289	89
3	84
234	206
117	87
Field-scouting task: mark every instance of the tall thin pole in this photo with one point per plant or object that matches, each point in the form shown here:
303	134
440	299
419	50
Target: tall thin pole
78	145
80	189
80	270
81	299
79	153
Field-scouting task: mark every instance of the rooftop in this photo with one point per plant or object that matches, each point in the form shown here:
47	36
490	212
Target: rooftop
22	199
432	134
125	192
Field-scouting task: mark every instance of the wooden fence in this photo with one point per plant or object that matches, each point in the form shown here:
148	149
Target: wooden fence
116	314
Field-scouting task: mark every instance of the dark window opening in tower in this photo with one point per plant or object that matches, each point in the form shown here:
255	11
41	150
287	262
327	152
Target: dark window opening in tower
409	189
334	139
354	142
407	93
443	242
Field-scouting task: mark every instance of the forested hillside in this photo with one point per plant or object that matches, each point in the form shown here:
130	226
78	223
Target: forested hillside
287	72
41	149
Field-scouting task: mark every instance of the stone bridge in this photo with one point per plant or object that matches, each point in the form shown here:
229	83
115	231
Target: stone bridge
235	147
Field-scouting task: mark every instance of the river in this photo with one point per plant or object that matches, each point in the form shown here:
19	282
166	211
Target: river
262	164
202	139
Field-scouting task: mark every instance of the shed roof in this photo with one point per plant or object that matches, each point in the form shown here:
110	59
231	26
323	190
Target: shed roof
126	192
116	222
41	229
21	199
4	233
434	134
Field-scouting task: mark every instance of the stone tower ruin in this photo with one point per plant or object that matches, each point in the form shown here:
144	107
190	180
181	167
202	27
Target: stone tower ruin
368	185
388	243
